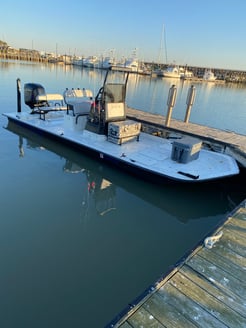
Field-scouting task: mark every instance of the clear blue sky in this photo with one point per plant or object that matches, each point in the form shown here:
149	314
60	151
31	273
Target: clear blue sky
209	33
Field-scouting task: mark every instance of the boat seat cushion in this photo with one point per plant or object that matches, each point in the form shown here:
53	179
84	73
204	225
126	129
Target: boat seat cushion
53	99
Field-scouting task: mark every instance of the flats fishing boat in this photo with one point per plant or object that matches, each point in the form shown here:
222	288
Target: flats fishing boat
99	126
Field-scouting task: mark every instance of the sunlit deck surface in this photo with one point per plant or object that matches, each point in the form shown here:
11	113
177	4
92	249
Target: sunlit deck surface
206	289
231	142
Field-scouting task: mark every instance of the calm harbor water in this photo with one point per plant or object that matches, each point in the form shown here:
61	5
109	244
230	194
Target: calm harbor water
80	240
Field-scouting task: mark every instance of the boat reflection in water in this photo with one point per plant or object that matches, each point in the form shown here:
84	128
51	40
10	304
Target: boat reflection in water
182	202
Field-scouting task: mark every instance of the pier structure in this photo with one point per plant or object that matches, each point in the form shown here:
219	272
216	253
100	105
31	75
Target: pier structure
9	53
227	142
222	74
205	289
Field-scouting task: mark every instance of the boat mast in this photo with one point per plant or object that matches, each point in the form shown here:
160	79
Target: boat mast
165	42
163	46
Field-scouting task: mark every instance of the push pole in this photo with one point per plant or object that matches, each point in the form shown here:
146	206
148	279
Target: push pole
18	82
189	102
170	103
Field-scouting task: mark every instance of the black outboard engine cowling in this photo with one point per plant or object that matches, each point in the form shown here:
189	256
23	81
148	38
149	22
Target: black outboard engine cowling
31	91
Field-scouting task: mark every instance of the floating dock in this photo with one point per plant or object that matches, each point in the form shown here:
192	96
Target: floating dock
228	142
206	289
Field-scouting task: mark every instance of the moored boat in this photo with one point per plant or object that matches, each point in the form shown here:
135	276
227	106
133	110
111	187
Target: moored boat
99	126
185	73
209	75
172	71
129	65
77	61
107	62
91	62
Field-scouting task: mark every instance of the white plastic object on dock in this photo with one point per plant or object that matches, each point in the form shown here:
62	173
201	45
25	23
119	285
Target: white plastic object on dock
210	241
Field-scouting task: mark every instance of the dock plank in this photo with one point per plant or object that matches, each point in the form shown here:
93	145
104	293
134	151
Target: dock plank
126	325
229	254
230	299
191	310
238	222
218	276
143	318
240	214
234	240
207	302
225	264
166	313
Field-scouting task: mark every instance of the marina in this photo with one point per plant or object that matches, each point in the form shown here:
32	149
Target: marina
131	64
205	289
67	218
123	165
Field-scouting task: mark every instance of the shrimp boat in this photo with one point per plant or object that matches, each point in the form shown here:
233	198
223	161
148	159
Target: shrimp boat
99	126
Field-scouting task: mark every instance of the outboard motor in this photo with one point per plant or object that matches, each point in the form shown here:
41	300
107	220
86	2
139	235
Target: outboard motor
32	93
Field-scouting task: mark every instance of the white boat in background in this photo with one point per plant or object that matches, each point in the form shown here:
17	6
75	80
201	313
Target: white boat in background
185	73
209	75
77	61
91	62
128	65
99	127
107	62
132	64
172	71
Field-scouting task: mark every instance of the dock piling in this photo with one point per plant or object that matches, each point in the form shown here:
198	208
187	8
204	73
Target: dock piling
189	102
170	103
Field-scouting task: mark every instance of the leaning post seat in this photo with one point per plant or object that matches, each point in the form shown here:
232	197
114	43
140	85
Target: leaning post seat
52	99
79	101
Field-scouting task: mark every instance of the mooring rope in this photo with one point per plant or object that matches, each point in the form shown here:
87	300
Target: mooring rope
210	241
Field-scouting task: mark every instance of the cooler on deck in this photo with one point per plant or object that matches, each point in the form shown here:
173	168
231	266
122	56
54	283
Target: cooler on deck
123	131
186	150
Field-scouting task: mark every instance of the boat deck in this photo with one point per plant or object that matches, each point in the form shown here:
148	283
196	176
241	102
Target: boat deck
234	143
207	289
150	154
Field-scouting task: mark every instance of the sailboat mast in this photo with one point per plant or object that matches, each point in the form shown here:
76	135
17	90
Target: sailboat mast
165	42
163	46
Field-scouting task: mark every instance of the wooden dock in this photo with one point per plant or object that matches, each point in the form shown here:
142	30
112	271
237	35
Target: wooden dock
207	289
225	141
